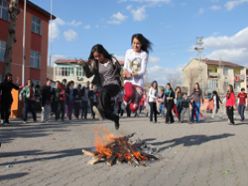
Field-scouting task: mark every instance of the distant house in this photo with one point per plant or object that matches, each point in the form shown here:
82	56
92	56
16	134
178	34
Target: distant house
70	70
214	75
36	50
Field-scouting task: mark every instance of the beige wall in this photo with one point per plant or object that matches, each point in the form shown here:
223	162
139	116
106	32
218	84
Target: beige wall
196	71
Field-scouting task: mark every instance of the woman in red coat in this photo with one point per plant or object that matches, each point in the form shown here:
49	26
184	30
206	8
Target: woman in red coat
230	104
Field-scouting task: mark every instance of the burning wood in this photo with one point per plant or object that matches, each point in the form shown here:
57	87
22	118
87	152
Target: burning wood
121	150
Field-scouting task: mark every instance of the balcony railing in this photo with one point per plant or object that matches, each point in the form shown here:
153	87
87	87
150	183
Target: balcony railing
213	74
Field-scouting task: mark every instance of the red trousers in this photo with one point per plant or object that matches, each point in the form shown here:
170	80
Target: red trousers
132	95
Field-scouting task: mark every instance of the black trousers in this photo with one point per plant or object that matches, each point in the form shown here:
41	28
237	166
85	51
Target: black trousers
153	111
60	111
29	106
229	112
5	110
106	104
169	116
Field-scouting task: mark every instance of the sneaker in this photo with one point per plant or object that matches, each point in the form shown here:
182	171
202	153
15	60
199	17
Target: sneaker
97	112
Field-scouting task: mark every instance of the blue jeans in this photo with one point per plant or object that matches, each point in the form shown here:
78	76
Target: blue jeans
196	111
241	110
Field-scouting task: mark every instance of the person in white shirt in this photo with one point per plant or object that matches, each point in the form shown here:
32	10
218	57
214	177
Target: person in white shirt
135	65
153	96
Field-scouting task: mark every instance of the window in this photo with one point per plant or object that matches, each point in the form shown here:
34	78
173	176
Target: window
2	50
213	84
64	71
36	25
36	82
4	10
225	71
80	71
35	59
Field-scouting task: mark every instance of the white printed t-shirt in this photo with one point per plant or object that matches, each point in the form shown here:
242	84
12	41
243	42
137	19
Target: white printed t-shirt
136	62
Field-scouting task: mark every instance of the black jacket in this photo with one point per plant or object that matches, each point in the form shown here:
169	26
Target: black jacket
46	95
6	88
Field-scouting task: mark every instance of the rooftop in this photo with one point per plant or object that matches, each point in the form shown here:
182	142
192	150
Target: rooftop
39	9
75	61
222	63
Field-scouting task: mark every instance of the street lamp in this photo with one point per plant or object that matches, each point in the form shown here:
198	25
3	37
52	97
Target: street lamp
199	48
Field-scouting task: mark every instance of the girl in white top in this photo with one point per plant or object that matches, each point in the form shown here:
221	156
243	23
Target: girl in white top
153	96
135	65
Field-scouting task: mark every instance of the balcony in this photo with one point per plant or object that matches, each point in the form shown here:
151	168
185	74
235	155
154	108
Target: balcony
213	74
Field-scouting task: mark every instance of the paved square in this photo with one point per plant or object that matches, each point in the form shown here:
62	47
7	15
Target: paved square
213	153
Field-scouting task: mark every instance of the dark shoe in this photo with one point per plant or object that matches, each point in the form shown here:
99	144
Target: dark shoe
117	124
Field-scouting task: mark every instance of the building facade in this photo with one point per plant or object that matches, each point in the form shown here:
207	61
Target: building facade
214	75
36	49
70	70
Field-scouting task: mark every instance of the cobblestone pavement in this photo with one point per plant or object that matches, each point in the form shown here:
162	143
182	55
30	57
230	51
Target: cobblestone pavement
212	153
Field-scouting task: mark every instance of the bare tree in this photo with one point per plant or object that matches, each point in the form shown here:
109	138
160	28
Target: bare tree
175	79
13	12
192	77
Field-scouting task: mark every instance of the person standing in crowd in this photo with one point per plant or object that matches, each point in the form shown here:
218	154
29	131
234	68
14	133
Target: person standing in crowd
230	104
119	102
152	96
70	99
216	100
77	100
37	95
242	97
93	99
6	97
178	102
106	70
135	65
27	94
60	99
160	101
185	108
196	99
169	103
85	100
46	98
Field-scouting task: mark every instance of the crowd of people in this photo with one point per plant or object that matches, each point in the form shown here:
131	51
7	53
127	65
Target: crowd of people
113	91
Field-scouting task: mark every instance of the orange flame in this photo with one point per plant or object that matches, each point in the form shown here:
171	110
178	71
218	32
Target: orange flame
104	137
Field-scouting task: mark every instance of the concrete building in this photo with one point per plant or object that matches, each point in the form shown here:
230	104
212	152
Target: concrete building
214	75
70	70
36	50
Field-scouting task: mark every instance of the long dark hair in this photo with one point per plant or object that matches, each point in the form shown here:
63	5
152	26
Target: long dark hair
153	84
170	86
7	75
231	87
146	45
100	49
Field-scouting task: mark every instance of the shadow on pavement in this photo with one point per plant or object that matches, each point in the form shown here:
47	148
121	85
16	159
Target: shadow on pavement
12	176
32	130
189	141
38	155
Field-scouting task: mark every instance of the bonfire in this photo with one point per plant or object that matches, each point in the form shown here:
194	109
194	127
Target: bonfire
112	150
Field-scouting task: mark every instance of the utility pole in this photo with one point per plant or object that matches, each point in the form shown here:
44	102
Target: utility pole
24	42
199	49
13	12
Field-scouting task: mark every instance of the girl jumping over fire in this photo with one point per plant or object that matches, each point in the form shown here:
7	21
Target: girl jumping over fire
134	70
106	71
